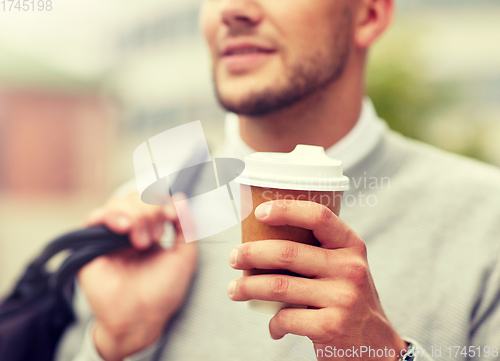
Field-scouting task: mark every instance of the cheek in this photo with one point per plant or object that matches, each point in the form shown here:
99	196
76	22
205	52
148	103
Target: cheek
301	26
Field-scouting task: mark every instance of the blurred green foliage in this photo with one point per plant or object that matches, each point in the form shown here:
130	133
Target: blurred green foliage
401	92
408	99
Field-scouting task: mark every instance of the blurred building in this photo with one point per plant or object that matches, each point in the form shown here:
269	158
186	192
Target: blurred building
53	143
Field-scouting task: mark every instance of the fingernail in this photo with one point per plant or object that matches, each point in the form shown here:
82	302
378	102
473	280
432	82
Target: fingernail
263	211
233	256
231	288
143	238
123	222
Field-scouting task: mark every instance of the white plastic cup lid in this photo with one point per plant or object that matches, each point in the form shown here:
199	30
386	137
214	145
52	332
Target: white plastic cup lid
306	168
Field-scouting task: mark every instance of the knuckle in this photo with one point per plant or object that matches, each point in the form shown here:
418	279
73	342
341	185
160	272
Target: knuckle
154	211
282	206
288	253
349	300
137	223
109	211
362	249
281	320
358	273
241	288
141	216
244	255
324	216
329	257
343	326
279	286
328	327
109	216
334	325
133	218
145	212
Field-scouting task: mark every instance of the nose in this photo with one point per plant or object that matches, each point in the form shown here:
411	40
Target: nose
241	13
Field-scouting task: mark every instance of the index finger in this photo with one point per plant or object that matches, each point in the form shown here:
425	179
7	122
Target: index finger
327	227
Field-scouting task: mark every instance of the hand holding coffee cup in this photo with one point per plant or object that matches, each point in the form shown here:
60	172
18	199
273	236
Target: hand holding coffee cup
306	177
333	281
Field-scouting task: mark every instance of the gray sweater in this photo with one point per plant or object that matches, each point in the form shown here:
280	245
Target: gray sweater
431	222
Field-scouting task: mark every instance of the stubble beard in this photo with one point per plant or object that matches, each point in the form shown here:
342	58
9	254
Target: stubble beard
302	80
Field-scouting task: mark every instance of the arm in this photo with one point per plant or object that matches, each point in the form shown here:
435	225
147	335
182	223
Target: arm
134	292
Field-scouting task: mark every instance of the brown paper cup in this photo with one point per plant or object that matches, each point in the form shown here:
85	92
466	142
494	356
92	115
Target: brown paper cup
254	230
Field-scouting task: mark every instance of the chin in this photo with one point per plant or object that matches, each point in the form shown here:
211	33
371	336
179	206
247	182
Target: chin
237	94
246	95
234	103
255	80
243	85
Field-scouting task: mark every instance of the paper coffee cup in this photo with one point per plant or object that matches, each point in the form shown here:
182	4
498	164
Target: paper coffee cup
306	173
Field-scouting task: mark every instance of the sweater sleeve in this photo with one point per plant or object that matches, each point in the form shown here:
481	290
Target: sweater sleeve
419	353
484	333
77	343
485	321
88	351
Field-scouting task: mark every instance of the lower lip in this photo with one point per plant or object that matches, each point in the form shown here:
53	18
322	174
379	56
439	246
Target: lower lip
245	62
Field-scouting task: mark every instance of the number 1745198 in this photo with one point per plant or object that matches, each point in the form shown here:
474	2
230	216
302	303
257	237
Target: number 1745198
26	5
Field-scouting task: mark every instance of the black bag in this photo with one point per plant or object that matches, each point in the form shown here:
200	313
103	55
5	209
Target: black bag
36	313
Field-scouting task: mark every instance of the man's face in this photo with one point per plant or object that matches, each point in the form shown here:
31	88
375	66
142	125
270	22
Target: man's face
269	54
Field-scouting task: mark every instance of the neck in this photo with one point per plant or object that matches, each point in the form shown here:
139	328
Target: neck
322	118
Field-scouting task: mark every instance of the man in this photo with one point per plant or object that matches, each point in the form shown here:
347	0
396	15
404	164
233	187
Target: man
415	264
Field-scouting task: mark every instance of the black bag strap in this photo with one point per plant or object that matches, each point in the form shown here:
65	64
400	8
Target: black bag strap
77	240
90	243
86	245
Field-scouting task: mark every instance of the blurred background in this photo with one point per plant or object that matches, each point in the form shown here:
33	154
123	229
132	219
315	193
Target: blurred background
82	85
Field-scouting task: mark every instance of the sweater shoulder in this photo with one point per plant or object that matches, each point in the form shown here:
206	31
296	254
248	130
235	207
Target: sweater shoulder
433	167
458	195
